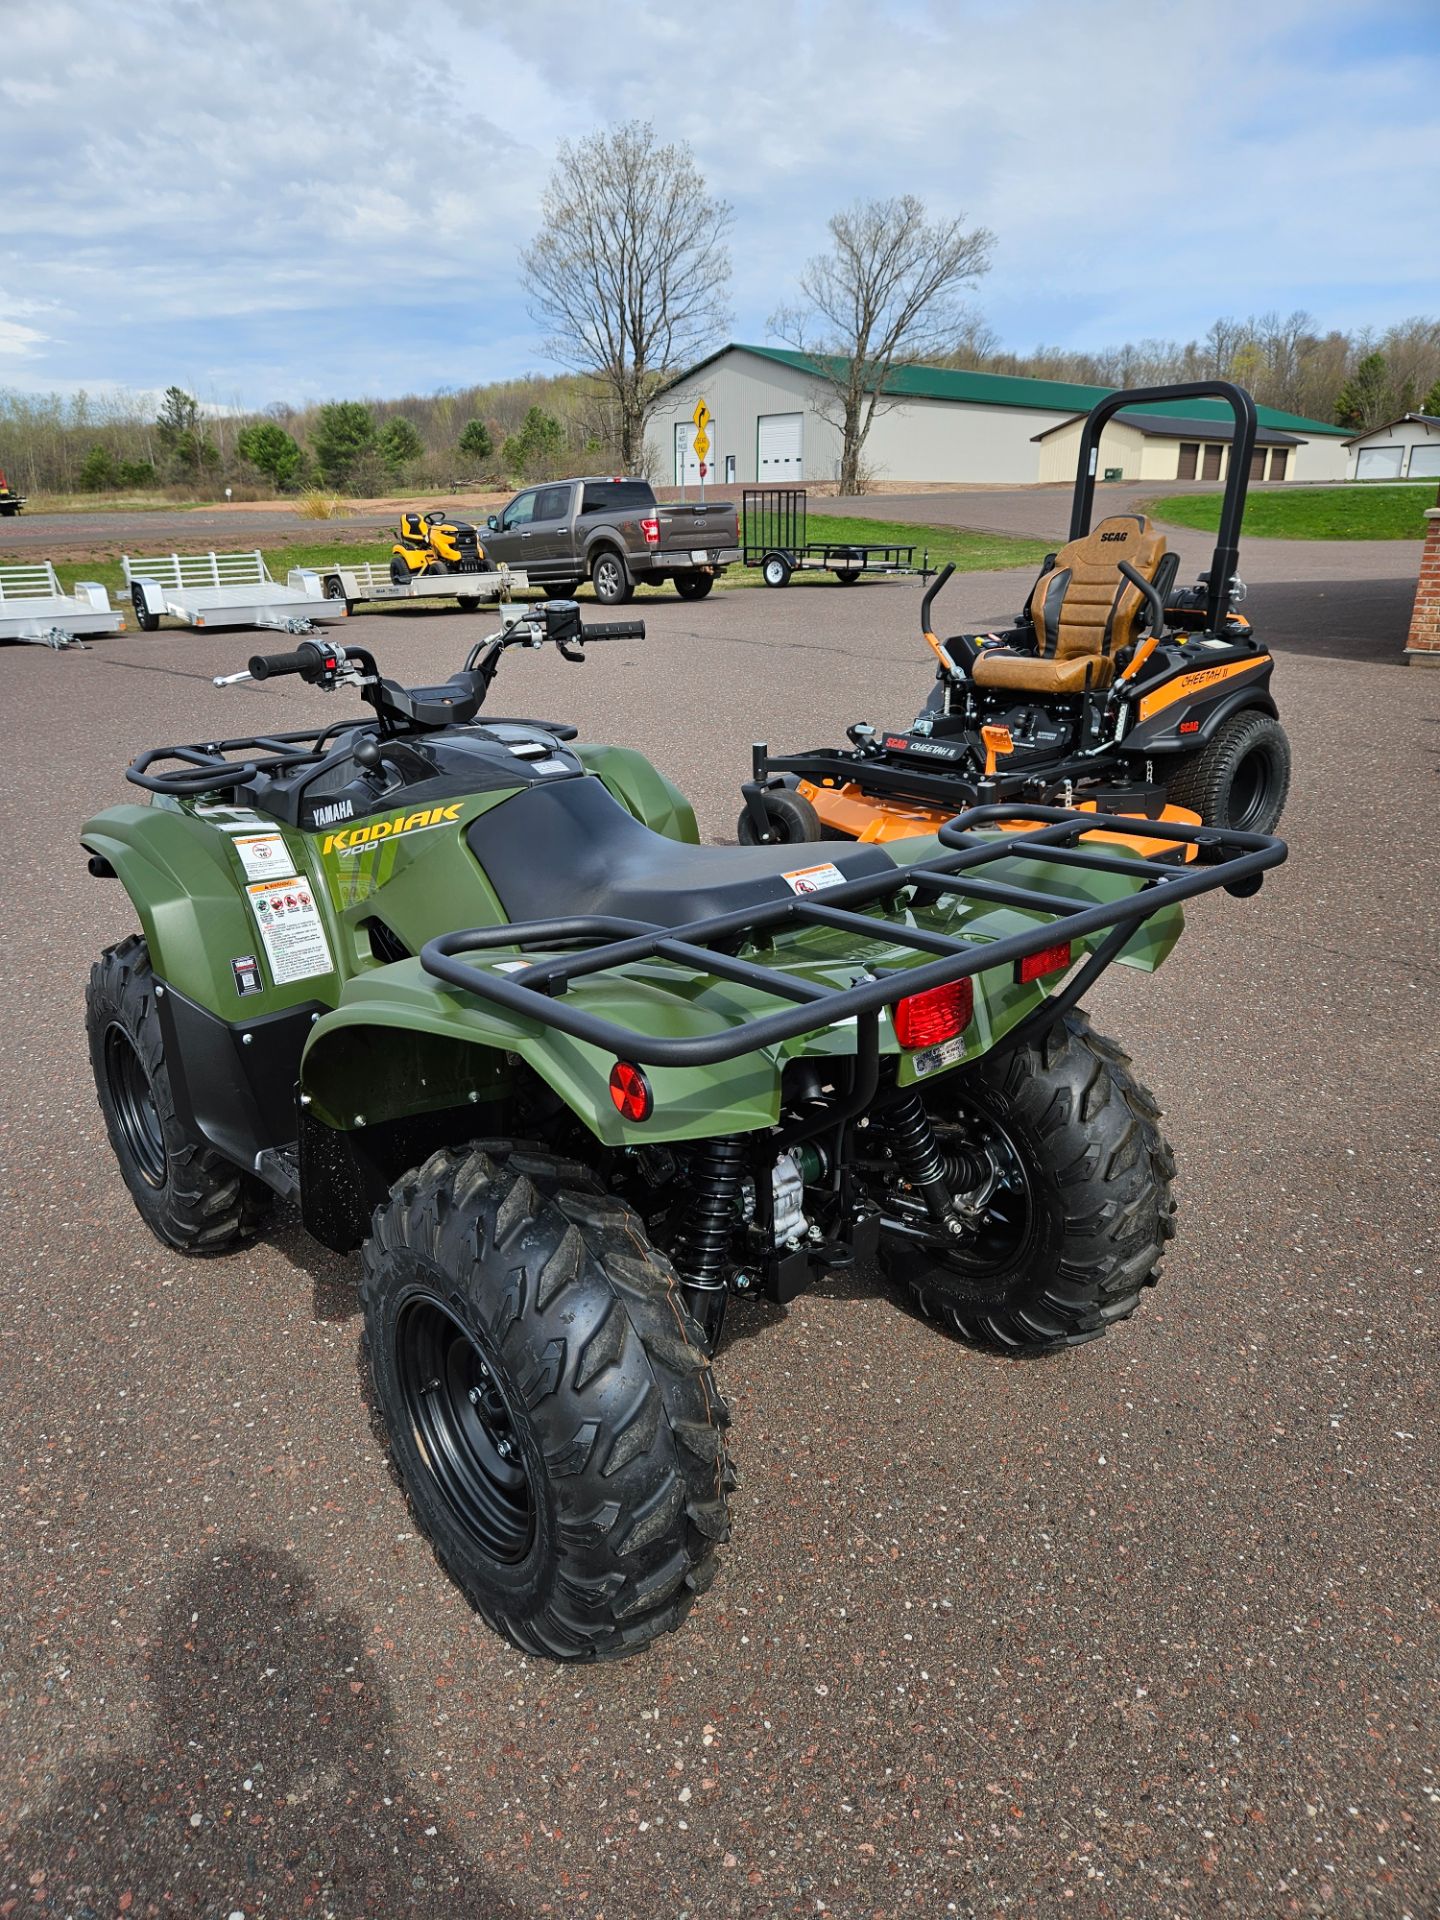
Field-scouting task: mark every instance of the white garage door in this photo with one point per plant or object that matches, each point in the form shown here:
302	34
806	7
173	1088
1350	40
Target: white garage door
1379	463
1425	463
781	451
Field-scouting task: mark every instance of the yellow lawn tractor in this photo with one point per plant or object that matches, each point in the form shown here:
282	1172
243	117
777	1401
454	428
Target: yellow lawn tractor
434	543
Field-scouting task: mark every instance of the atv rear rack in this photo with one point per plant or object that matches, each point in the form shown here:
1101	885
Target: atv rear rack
1233	860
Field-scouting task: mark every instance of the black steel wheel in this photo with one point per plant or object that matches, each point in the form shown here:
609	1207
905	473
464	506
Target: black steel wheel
1240	778
551	1411
693	586
187	1193
793	821
610	578
1068	1226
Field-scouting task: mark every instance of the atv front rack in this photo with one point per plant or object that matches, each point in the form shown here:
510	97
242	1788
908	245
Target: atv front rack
1233	860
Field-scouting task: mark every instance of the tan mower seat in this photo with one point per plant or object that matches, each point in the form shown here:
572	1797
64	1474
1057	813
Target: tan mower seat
1083	612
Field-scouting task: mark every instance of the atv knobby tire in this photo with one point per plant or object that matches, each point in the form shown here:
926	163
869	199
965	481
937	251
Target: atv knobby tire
189	1195
568	1462
793	820
1096	1170
1238	779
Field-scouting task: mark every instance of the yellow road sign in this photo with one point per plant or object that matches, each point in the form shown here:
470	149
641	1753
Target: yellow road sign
701	416
701	444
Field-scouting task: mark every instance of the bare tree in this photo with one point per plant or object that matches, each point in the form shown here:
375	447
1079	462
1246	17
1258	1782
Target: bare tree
630	270
886	294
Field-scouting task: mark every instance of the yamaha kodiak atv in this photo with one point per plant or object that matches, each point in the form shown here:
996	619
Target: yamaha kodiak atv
1112	689
472	996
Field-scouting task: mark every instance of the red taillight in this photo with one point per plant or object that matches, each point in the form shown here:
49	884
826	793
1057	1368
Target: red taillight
926	1018
1036	965
630	1091
651	531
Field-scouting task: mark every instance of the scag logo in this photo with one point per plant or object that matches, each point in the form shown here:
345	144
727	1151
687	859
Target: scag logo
351	839
1113	536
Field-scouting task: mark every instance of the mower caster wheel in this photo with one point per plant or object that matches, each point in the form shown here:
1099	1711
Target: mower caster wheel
1239	778
775	570
552	1416
793	821
189	1195
1070	1226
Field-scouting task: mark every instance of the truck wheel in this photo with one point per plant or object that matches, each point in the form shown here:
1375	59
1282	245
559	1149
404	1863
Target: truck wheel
610	578
188	1195
552	1417
775	570
335	590
1075	1225
148	621
693	586
793	821
1240	777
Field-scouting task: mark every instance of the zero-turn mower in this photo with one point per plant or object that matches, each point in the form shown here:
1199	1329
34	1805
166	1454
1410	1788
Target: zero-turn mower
1112	689
434	543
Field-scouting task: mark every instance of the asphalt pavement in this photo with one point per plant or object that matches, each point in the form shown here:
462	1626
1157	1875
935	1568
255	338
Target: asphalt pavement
1148	1629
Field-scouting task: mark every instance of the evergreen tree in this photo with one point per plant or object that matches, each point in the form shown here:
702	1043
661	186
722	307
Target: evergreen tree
344	434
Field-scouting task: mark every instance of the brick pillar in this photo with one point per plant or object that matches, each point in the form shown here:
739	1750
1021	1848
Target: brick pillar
1423	649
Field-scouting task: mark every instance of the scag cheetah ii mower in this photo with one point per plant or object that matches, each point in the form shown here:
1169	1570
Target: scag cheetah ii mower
472	996
1113	689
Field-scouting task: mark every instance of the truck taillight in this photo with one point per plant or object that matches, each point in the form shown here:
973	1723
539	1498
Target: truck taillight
926	1018
651	531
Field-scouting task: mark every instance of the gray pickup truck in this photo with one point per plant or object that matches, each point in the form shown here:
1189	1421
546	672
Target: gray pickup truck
615	534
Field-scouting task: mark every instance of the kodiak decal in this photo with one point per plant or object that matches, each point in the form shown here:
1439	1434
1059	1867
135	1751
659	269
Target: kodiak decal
352	839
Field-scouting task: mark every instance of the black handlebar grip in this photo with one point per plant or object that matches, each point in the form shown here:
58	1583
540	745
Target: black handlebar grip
614	630
265	666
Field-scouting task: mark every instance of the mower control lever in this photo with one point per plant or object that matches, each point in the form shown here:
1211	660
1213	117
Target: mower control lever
1157	605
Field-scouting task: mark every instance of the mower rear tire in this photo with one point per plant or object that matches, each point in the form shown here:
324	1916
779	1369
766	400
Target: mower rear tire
610	578
1075	1228
189	1195
552	1416
1240	777
400	574
793	821
693	586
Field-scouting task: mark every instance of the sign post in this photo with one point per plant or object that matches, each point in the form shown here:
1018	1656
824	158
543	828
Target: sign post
701	442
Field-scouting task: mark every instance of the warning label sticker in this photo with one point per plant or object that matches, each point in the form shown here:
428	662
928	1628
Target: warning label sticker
263	855
291	930
814	879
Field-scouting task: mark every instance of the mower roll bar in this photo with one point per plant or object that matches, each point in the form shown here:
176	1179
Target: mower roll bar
1226	858
1226	557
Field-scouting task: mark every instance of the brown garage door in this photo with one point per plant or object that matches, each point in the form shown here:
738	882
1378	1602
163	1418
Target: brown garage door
1189	459
1279	460
1257	464
1211	469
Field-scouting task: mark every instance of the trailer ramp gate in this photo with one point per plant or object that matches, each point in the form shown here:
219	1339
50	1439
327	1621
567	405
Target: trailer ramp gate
223	590
33	608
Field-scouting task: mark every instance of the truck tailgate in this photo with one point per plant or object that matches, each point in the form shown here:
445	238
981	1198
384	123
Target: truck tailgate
711	525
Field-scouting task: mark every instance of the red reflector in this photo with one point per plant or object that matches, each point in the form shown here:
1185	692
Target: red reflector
630	1091
926	1018
1189	726
1036	965
651	531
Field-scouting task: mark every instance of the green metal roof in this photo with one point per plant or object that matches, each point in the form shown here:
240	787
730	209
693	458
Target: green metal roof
1008	389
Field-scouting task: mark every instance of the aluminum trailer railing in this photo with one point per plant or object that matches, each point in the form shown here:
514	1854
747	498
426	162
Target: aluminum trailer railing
222	590
352	581
33	608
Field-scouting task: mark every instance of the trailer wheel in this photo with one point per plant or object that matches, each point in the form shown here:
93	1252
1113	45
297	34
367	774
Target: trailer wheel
148	621
693	586
792	820
775	570
851	571
335	590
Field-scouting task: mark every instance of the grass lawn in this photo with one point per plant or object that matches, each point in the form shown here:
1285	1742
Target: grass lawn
1364	512
971	553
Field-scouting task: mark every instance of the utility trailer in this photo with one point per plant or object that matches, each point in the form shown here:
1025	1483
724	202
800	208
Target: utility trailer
774	536
352	581
222	590
33	608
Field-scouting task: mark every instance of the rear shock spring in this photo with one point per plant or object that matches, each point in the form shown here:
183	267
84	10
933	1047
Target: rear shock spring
704	1238
936	1176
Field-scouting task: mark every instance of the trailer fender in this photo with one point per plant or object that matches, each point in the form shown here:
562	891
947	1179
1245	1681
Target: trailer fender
148	596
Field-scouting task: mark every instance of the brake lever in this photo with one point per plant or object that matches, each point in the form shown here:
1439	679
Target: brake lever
566	652
231	679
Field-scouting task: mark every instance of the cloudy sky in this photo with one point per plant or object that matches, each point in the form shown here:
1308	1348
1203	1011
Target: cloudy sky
290	199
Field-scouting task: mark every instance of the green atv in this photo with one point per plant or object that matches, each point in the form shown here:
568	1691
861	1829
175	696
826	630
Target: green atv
474	998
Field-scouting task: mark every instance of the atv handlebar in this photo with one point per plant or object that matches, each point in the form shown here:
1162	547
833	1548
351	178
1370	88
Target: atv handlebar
614	630
307	660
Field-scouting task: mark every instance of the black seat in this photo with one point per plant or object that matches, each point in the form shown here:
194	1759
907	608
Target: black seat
568	848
